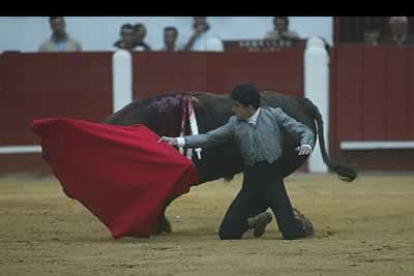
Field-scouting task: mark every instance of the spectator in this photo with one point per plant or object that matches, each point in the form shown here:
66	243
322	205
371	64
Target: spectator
140	34
372	35
60	41
203	39
170	39
282	33
399	31
127	41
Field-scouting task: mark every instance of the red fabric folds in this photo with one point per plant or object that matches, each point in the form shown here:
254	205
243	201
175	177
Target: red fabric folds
119	173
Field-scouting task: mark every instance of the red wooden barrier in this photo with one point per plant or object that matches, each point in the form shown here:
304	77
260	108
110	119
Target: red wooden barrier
410	98
79	85
349	93
157	73
371	92
2	72
396	96
372	99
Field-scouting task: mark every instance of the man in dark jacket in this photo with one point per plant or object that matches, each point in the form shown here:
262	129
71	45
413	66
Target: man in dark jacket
127	40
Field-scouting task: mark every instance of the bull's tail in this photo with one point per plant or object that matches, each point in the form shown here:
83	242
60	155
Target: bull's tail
345	173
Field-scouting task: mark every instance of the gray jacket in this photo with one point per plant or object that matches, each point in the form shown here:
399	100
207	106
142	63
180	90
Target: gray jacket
256	142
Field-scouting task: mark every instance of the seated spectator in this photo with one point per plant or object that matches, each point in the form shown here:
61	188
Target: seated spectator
282	33
170	39
127	41
399	32
203	39
372	36
140	34
60	41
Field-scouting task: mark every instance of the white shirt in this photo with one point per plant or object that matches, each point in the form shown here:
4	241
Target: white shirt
208	42
253	118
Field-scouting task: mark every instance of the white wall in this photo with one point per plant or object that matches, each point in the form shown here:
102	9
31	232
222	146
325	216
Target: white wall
99	33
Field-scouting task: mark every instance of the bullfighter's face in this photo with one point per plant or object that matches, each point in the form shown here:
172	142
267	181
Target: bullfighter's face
242	112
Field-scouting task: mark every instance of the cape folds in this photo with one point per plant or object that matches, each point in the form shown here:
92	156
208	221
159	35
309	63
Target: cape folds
119	173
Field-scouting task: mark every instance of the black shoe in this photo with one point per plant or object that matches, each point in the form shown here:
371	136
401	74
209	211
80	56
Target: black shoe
260	222
307	226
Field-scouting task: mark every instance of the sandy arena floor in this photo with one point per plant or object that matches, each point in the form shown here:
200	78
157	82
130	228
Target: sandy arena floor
363	228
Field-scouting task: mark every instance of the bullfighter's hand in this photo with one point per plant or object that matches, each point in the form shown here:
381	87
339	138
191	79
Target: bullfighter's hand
304	149
169	140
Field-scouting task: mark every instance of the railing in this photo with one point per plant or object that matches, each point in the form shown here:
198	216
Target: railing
254	45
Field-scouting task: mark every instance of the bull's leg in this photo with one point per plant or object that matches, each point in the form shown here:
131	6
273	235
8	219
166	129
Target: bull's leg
163	224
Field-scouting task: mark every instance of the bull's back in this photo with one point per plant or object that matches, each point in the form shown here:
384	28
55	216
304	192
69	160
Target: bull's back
162	114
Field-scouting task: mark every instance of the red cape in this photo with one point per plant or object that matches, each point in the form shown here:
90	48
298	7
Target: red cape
119	173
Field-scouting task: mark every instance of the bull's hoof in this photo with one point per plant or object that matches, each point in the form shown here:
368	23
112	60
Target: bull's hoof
163	226
307	226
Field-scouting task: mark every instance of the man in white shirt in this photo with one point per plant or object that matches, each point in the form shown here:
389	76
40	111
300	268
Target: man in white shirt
203	39
281	32
60	40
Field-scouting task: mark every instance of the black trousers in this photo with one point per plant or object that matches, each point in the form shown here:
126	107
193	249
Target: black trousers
262	187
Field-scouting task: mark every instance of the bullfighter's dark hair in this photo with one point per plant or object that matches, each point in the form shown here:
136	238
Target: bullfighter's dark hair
246	94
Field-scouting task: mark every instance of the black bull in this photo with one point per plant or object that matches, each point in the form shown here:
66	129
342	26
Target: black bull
162	114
